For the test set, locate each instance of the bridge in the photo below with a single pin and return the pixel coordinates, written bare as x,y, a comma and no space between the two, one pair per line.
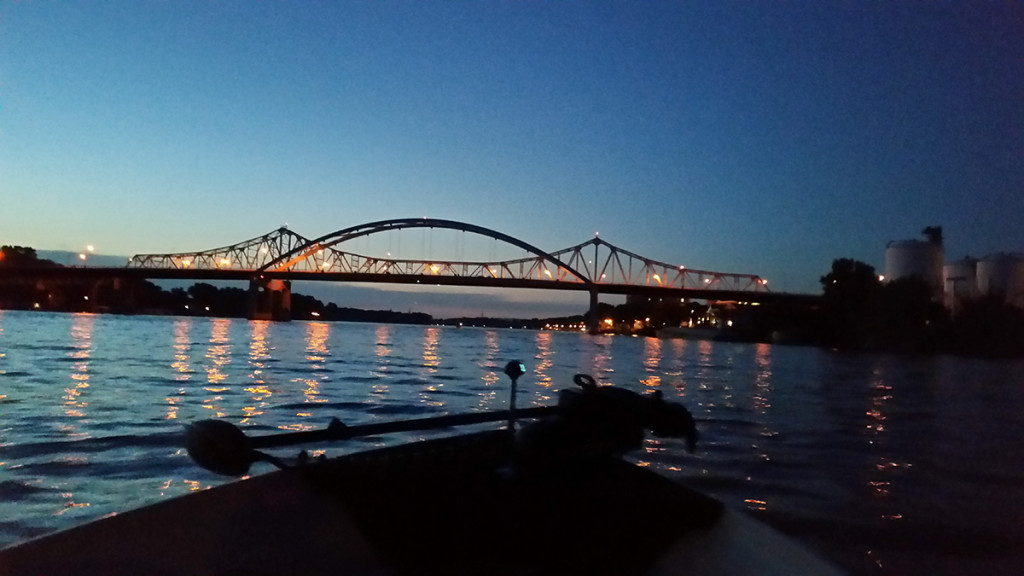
270,262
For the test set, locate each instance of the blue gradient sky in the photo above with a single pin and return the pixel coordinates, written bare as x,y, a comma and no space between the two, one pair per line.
755,137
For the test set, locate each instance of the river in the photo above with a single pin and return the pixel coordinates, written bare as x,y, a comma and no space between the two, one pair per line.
885,464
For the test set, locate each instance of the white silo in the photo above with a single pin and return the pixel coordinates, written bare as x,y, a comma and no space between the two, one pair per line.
960,280
1003,274
906,258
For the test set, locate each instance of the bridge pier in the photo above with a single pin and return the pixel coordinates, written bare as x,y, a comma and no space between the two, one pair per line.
270,299
593,322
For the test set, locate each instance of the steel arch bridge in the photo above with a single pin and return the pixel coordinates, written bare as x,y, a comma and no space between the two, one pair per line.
594,265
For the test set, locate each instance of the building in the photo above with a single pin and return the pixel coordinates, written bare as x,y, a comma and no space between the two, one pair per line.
1001,273
917,258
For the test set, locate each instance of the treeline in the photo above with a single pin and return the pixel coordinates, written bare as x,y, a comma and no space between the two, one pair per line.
856,311
859,311
143,296
202,299
15,256
309,307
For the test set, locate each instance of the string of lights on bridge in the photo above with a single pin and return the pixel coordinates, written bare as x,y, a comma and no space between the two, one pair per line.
594,261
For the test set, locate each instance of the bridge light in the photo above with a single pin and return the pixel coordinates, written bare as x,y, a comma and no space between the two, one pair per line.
225,262
707,280
434,268
548,272
657,279
186,263
325,265
81,257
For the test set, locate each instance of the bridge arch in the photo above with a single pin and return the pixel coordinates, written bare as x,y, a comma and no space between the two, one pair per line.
286,260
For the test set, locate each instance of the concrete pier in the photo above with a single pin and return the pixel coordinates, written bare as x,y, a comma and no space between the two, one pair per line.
270,299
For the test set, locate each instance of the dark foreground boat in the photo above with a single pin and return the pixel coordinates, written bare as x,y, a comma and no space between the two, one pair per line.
552,498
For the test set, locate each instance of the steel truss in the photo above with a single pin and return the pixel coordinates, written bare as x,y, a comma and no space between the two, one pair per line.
606,263
592,263
320,255
251,254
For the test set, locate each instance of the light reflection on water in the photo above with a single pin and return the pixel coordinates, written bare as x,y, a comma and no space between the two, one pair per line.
855,454
180,366
81,342
543,358
652,362
259,354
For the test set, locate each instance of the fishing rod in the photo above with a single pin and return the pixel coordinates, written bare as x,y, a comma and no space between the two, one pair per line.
222,447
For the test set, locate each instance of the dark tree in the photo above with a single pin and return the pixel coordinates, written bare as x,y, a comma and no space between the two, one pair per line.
14,256
850,302
988,326
909,319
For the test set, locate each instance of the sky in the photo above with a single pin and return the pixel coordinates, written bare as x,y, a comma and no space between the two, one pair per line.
754,137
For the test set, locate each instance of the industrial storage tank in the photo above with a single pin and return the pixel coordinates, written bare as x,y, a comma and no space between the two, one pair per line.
906,258
960,280
1003,274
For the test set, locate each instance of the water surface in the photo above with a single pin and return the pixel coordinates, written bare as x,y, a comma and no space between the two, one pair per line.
886,464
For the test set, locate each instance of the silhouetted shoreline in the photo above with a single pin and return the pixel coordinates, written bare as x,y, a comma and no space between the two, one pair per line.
856,312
